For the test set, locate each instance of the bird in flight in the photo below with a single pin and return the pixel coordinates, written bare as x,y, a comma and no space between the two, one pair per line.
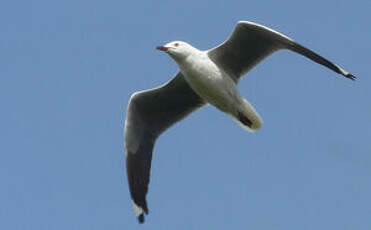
205,77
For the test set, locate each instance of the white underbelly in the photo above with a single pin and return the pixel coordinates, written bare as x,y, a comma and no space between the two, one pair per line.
216,89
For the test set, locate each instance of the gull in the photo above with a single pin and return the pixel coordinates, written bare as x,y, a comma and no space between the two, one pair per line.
205,77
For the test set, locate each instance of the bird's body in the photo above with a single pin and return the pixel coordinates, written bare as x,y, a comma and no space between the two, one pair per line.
205,77
216,87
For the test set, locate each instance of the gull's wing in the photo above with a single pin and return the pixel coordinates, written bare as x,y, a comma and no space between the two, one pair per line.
149,114
250,43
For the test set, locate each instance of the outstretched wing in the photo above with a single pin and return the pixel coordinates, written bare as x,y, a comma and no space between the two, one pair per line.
149,114
250,43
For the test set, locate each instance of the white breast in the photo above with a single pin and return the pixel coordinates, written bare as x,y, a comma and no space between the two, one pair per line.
210,82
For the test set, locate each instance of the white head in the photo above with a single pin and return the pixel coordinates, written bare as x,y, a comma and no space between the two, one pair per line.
178,50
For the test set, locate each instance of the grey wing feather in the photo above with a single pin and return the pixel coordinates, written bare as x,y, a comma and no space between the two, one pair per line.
250,43
293,46
149,114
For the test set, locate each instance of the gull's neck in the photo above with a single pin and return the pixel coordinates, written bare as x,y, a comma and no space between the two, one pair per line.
194,55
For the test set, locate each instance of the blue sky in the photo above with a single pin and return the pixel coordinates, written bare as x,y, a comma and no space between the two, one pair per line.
69,67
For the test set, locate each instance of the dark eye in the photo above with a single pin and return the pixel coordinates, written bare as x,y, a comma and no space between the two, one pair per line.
176,44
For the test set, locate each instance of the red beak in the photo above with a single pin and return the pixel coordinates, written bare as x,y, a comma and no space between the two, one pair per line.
162,48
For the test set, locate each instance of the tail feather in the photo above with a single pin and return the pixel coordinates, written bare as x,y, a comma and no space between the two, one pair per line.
248,118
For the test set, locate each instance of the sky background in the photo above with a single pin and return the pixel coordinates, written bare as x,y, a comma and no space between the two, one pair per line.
68,69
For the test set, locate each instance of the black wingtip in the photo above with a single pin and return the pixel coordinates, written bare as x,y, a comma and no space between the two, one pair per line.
351,76
141,218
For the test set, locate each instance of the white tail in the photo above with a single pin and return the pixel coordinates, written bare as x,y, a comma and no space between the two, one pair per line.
248,118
